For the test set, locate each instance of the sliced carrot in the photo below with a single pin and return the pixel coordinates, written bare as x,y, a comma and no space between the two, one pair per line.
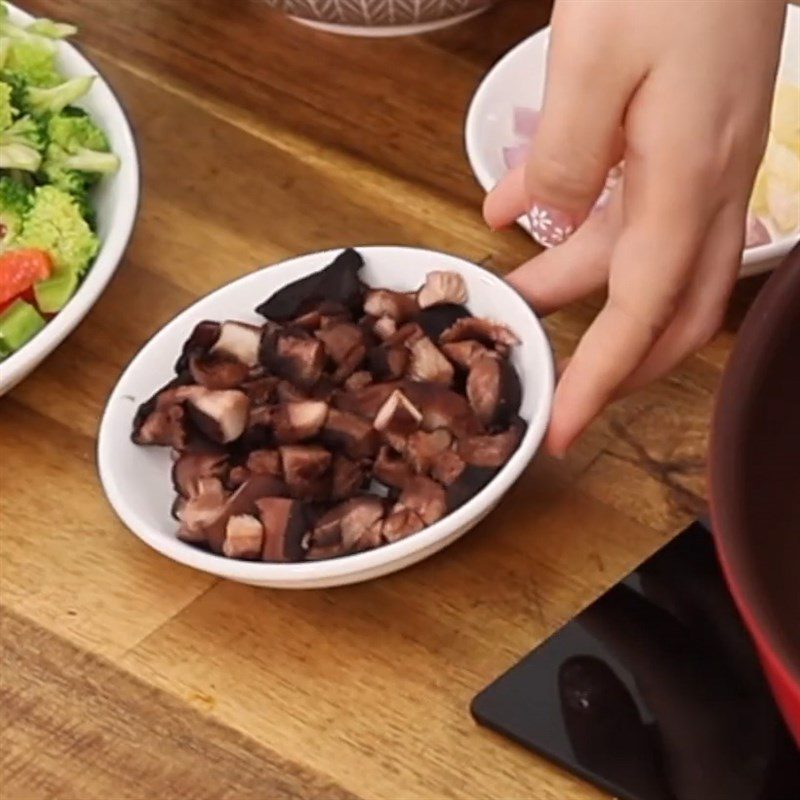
20,269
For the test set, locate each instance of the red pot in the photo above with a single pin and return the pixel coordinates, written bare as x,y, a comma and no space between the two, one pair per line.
755,480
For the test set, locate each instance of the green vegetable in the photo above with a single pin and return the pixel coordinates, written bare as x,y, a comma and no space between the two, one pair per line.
14,203
19,323
7,110
52,294
20,144
54,223
32,62
29,52
37,100
52,30
76,145
51,154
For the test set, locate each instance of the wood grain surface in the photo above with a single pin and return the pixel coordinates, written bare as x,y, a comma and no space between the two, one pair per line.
125,675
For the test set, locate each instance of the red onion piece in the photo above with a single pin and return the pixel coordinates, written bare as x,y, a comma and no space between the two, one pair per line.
516,155
526,121
756,232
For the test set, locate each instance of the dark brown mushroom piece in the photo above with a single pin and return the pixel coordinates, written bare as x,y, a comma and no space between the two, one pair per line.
492,450
298,421
244,537
189,468
442,288
384,328
358,380
239,341
388,362
339,340
242,501
310,320
287,392
347,477
200,341
447,466
201,510
352,525
321,316
428,363
406,335
220,415
435,320
397,419
351,434
469,482
492,334
237,476
285,524
258,432
442,408
261,390
424,447
166,427
424,497
304,470
398,306
494,390
365,402
401,522
264,462
338,282
352,361
324,389
391,468
217,371
464,353
294,354
160,419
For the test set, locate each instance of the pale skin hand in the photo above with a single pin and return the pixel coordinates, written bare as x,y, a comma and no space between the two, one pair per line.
682,92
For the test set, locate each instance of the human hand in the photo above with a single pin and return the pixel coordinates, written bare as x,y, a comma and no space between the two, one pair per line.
682,93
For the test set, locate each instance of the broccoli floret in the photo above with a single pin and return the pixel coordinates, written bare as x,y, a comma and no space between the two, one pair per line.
20,144
77,154
74,128
76,144
7,110
30,52
15,200
54,223
50,29
39,101
32,62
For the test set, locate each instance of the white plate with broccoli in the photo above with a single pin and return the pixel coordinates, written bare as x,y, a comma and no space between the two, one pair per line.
69,188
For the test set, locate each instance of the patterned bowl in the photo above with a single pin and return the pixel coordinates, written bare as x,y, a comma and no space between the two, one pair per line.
380,17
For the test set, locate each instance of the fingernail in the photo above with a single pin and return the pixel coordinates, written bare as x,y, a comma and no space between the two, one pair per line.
549,226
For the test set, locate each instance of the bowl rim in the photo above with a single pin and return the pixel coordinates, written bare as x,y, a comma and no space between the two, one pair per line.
368,562
19,364
754,259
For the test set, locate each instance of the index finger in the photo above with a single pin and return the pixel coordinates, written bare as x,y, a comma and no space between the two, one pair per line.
667,212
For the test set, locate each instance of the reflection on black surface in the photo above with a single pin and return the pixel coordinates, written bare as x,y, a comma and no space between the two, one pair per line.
658,692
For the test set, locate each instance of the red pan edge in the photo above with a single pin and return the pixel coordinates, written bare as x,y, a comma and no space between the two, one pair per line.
744,433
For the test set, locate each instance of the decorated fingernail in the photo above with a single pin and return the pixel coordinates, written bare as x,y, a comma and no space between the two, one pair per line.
549,226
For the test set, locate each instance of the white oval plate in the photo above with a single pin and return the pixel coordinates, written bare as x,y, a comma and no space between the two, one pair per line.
116,200
518,80
137,479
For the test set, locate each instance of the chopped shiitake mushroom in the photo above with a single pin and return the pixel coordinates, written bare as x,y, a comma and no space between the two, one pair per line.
352,417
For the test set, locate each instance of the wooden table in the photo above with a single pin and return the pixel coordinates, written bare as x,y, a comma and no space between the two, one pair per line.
127,676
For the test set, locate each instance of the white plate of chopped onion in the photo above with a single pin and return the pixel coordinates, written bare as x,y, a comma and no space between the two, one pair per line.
502,119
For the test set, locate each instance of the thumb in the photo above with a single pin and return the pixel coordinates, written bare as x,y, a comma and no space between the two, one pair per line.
579,138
